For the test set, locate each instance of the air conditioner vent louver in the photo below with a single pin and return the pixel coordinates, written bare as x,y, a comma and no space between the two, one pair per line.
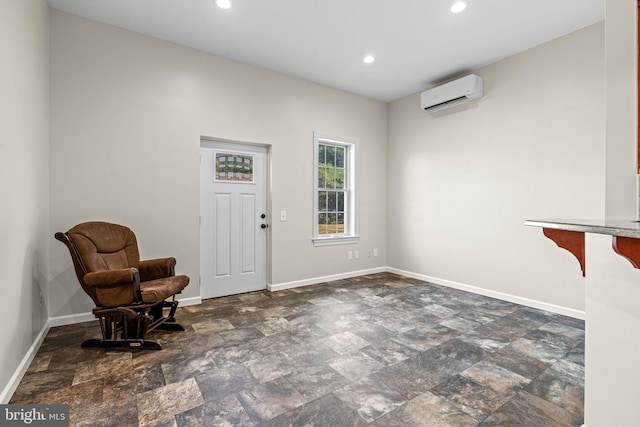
453,93
447,104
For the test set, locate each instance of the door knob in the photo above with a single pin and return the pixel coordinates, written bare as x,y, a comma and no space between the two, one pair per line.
263,225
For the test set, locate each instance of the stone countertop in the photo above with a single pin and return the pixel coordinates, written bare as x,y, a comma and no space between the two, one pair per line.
612,227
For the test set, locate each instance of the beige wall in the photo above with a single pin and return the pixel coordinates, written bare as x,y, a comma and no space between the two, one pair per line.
621,108
612,289
462,181
24,175
128,112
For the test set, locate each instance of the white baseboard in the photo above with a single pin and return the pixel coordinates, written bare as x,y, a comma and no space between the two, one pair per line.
185,302
72,319
322,279
451,284
15,379
494,294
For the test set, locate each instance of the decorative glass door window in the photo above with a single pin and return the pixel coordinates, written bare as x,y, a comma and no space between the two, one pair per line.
233,167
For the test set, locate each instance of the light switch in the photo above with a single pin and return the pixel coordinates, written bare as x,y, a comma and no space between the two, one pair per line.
283,215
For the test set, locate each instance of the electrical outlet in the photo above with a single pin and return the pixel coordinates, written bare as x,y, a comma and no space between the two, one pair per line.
375,252
350,255
370,253
356,254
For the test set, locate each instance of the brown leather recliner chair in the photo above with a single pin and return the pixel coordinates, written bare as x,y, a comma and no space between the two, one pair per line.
130,294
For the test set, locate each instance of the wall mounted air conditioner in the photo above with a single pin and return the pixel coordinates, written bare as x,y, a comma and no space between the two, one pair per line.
453,93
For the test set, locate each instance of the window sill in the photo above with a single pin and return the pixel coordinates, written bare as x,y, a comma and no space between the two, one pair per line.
331,241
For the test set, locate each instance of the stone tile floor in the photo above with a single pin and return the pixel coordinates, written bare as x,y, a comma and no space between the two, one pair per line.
377,350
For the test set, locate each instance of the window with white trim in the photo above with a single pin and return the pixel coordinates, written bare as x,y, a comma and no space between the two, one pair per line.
335,219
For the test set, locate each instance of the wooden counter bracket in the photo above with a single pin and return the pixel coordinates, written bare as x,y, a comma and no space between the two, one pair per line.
629,248
573,241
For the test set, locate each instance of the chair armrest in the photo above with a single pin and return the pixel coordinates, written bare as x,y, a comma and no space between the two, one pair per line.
158,268
115,287
112,277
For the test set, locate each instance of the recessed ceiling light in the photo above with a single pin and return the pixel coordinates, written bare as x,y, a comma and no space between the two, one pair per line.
458,6
223,4
369,59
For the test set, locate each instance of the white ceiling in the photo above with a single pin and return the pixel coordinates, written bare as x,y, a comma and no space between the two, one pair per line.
417,43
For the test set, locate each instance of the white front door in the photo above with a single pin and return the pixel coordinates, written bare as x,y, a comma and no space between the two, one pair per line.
233,218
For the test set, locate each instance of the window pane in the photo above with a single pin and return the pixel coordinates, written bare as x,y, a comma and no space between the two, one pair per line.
330,178
332,226
340,157
340,204
339,178
321,154
340,224
322,223
332,201
322,201
331,155
322,177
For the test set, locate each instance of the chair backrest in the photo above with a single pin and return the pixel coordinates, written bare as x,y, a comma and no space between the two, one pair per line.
105,246
98,246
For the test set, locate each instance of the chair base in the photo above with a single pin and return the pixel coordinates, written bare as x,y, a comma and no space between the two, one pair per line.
126,327
170,326
124,344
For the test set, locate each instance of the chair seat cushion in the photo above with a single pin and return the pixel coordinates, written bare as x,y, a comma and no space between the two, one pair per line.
159,289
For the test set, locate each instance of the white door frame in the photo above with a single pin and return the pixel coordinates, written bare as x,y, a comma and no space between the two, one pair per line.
206,141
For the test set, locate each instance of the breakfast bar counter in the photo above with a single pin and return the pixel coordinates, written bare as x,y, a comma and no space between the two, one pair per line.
569,234
614,227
